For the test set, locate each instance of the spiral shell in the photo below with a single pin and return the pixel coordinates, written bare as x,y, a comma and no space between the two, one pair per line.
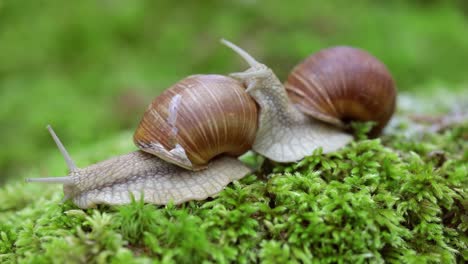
197,119
342,84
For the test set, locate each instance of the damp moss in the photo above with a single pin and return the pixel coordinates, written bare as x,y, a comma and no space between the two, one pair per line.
399,199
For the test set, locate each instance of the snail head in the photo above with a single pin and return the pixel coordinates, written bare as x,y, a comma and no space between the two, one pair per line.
257,72
67,181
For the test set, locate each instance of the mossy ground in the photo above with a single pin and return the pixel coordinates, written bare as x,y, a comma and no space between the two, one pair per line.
399,198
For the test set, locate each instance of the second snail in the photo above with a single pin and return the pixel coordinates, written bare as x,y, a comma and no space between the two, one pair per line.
190,136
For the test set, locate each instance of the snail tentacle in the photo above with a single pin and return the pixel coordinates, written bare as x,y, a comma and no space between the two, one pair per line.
261,73
62,180
246,56
251,86
66,180
70,163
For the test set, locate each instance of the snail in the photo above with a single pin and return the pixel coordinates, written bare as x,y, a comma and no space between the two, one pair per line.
212,109
342,84
190,135
284,133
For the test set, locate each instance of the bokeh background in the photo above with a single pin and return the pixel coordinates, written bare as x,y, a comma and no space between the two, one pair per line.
90,67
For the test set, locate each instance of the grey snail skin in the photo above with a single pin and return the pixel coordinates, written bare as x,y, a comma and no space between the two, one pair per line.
190,136
116,180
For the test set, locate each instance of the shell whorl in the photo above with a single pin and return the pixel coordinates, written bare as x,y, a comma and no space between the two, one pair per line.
197,119
342,84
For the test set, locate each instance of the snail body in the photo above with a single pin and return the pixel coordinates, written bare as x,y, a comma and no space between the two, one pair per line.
139,174
342,84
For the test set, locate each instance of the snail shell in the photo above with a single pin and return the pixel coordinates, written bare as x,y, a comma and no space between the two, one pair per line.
197,119
342,84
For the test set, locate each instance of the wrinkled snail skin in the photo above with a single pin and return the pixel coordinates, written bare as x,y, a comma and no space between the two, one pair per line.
284,133
197,119
116,180
342,84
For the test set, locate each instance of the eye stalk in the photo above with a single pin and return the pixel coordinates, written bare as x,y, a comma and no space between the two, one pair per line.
246,56
70,163
255,74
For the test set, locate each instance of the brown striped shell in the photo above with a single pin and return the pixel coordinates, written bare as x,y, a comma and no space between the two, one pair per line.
197,119
342,84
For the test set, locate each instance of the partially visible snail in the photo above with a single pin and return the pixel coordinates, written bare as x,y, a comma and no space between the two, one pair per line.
190,127
284,133
342,84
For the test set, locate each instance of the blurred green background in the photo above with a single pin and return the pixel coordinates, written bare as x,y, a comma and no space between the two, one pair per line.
90,67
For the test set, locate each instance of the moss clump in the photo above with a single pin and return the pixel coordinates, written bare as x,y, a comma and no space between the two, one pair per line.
376,200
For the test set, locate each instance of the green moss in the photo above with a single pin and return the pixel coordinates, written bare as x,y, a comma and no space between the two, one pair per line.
387,199
397,199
